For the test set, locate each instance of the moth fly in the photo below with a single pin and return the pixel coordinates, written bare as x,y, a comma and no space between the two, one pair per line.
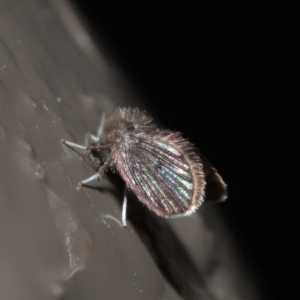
159,166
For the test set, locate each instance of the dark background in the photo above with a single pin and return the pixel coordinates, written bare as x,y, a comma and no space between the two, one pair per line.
226,75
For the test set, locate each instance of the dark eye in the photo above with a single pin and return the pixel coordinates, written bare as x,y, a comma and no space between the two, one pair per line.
95,152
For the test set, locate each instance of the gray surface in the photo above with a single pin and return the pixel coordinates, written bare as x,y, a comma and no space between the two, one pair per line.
57,242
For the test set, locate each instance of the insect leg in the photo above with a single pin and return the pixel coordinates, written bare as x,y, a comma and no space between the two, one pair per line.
94,177
99,174
101,127
124,208
73,145
99,130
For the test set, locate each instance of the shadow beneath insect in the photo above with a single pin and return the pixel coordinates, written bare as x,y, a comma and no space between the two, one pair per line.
165,247
168,252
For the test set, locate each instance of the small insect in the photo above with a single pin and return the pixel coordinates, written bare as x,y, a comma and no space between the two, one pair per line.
159,166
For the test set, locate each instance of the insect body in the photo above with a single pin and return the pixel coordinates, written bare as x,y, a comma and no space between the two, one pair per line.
160,167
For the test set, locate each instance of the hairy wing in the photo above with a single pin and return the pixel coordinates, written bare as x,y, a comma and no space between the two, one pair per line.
164,173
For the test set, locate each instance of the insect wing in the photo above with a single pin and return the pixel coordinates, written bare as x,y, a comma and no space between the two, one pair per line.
216,188
164,173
